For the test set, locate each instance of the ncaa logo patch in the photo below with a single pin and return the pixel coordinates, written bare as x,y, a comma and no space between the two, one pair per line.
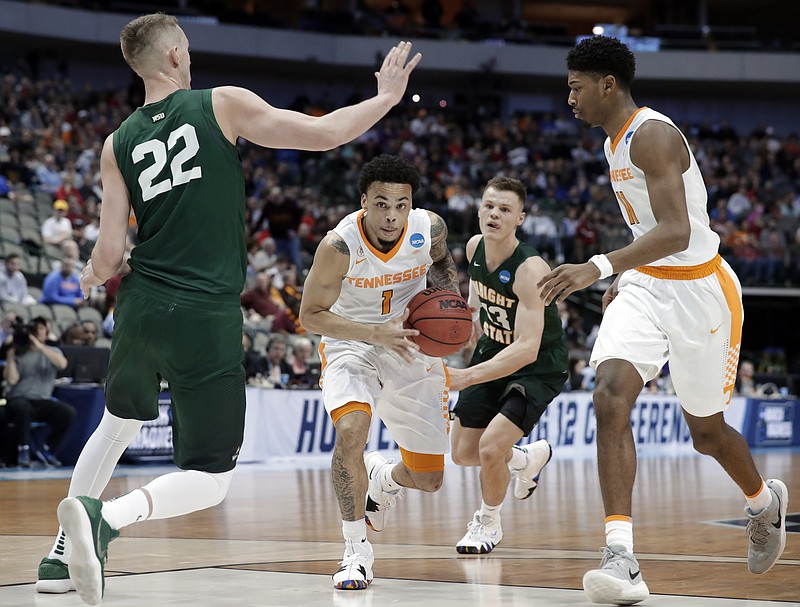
504,276
628,136
416,240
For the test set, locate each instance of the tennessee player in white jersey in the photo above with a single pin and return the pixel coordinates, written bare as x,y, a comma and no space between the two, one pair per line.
365,272
674,299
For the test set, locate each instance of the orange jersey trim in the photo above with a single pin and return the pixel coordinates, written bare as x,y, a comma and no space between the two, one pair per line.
621,133
422,462
340,412
379,254
683,272
735,338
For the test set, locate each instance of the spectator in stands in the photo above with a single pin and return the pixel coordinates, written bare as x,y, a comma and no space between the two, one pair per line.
265,257
255,365
284,213
74,335
48,175
13,285
302,351
57,228
90,330
278,370
31,368
63,286
264,307
745,380
71,249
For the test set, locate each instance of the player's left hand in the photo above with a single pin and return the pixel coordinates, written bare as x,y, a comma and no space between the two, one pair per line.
459,379
565,280
89,279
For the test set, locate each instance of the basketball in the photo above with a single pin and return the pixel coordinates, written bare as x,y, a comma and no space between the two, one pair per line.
443,320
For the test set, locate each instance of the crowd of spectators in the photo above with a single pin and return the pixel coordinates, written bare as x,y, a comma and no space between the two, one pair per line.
51,134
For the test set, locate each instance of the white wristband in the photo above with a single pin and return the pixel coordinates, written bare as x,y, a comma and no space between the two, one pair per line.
602,263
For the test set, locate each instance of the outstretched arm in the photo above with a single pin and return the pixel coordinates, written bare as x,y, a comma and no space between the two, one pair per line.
242,113
528,327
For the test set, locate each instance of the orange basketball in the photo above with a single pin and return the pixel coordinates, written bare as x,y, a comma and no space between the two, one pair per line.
443,320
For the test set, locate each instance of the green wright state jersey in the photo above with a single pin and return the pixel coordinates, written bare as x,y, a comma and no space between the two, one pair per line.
499,303
186,187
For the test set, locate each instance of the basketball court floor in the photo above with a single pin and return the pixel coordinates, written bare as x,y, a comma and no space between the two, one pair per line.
276,540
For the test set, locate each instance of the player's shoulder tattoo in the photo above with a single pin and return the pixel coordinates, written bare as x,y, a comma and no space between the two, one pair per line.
338,243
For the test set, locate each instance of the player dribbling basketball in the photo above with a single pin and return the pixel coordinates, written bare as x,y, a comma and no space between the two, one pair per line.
519,364
365,272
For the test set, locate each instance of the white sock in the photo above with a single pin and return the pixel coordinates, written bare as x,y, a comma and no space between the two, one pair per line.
760,500
387,482
519,459
355,531
95,466
126,509
62,549
619,530
493,512
172,495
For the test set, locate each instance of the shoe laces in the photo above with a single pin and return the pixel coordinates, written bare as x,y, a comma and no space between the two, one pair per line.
614,560
757,529
352,556
388,499
477,528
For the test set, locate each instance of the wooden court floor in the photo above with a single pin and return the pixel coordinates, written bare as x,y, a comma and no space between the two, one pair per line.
277,539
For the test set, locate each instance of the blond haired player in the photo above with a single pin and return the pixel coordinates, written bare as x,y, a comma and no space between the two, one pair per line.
674,299
365,272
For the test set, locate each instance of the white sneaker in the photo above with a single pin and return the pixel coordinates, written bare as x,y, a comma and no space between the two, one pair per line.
355,572
526,479
618,581
378,500
767,529
483,534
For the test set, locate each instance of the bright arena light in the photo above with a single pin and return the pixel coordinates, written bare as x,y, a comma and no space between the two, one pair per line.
598,30
415,98
442,103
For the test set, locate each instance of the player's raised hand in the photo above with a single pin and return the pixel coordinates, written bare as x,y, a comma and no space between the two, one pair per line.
393,75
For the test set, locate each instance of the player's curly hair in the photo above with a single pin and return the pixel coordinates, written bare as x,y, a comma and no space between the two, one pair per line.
602,55
388,169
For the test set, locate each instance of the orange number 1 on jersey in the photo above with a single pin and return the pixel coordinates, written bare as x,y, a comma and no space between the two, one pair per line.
632,219
386,304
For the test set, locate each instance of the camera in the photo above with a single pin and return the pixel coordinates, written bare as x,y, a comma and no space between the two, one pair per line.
22,334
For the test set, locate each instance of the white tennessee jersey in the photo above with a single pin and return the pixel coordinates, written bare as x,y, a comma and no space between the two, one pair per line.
630,188
379,286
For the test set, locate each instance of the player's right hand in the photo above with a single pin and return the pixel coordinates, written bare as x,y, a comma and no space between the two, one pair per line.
393,75
394,336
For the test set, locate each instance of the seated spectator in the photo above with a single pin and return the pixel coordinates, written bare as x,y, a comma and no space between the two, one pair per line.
71,249
278,371
255,365
90,331
263,306
745,381
31,368
75,335
300,358
63,286
57,228
13,285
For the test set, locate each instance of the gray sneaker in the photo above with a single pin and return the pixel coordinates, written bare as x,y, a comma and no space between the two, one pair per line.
767,529
618,581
